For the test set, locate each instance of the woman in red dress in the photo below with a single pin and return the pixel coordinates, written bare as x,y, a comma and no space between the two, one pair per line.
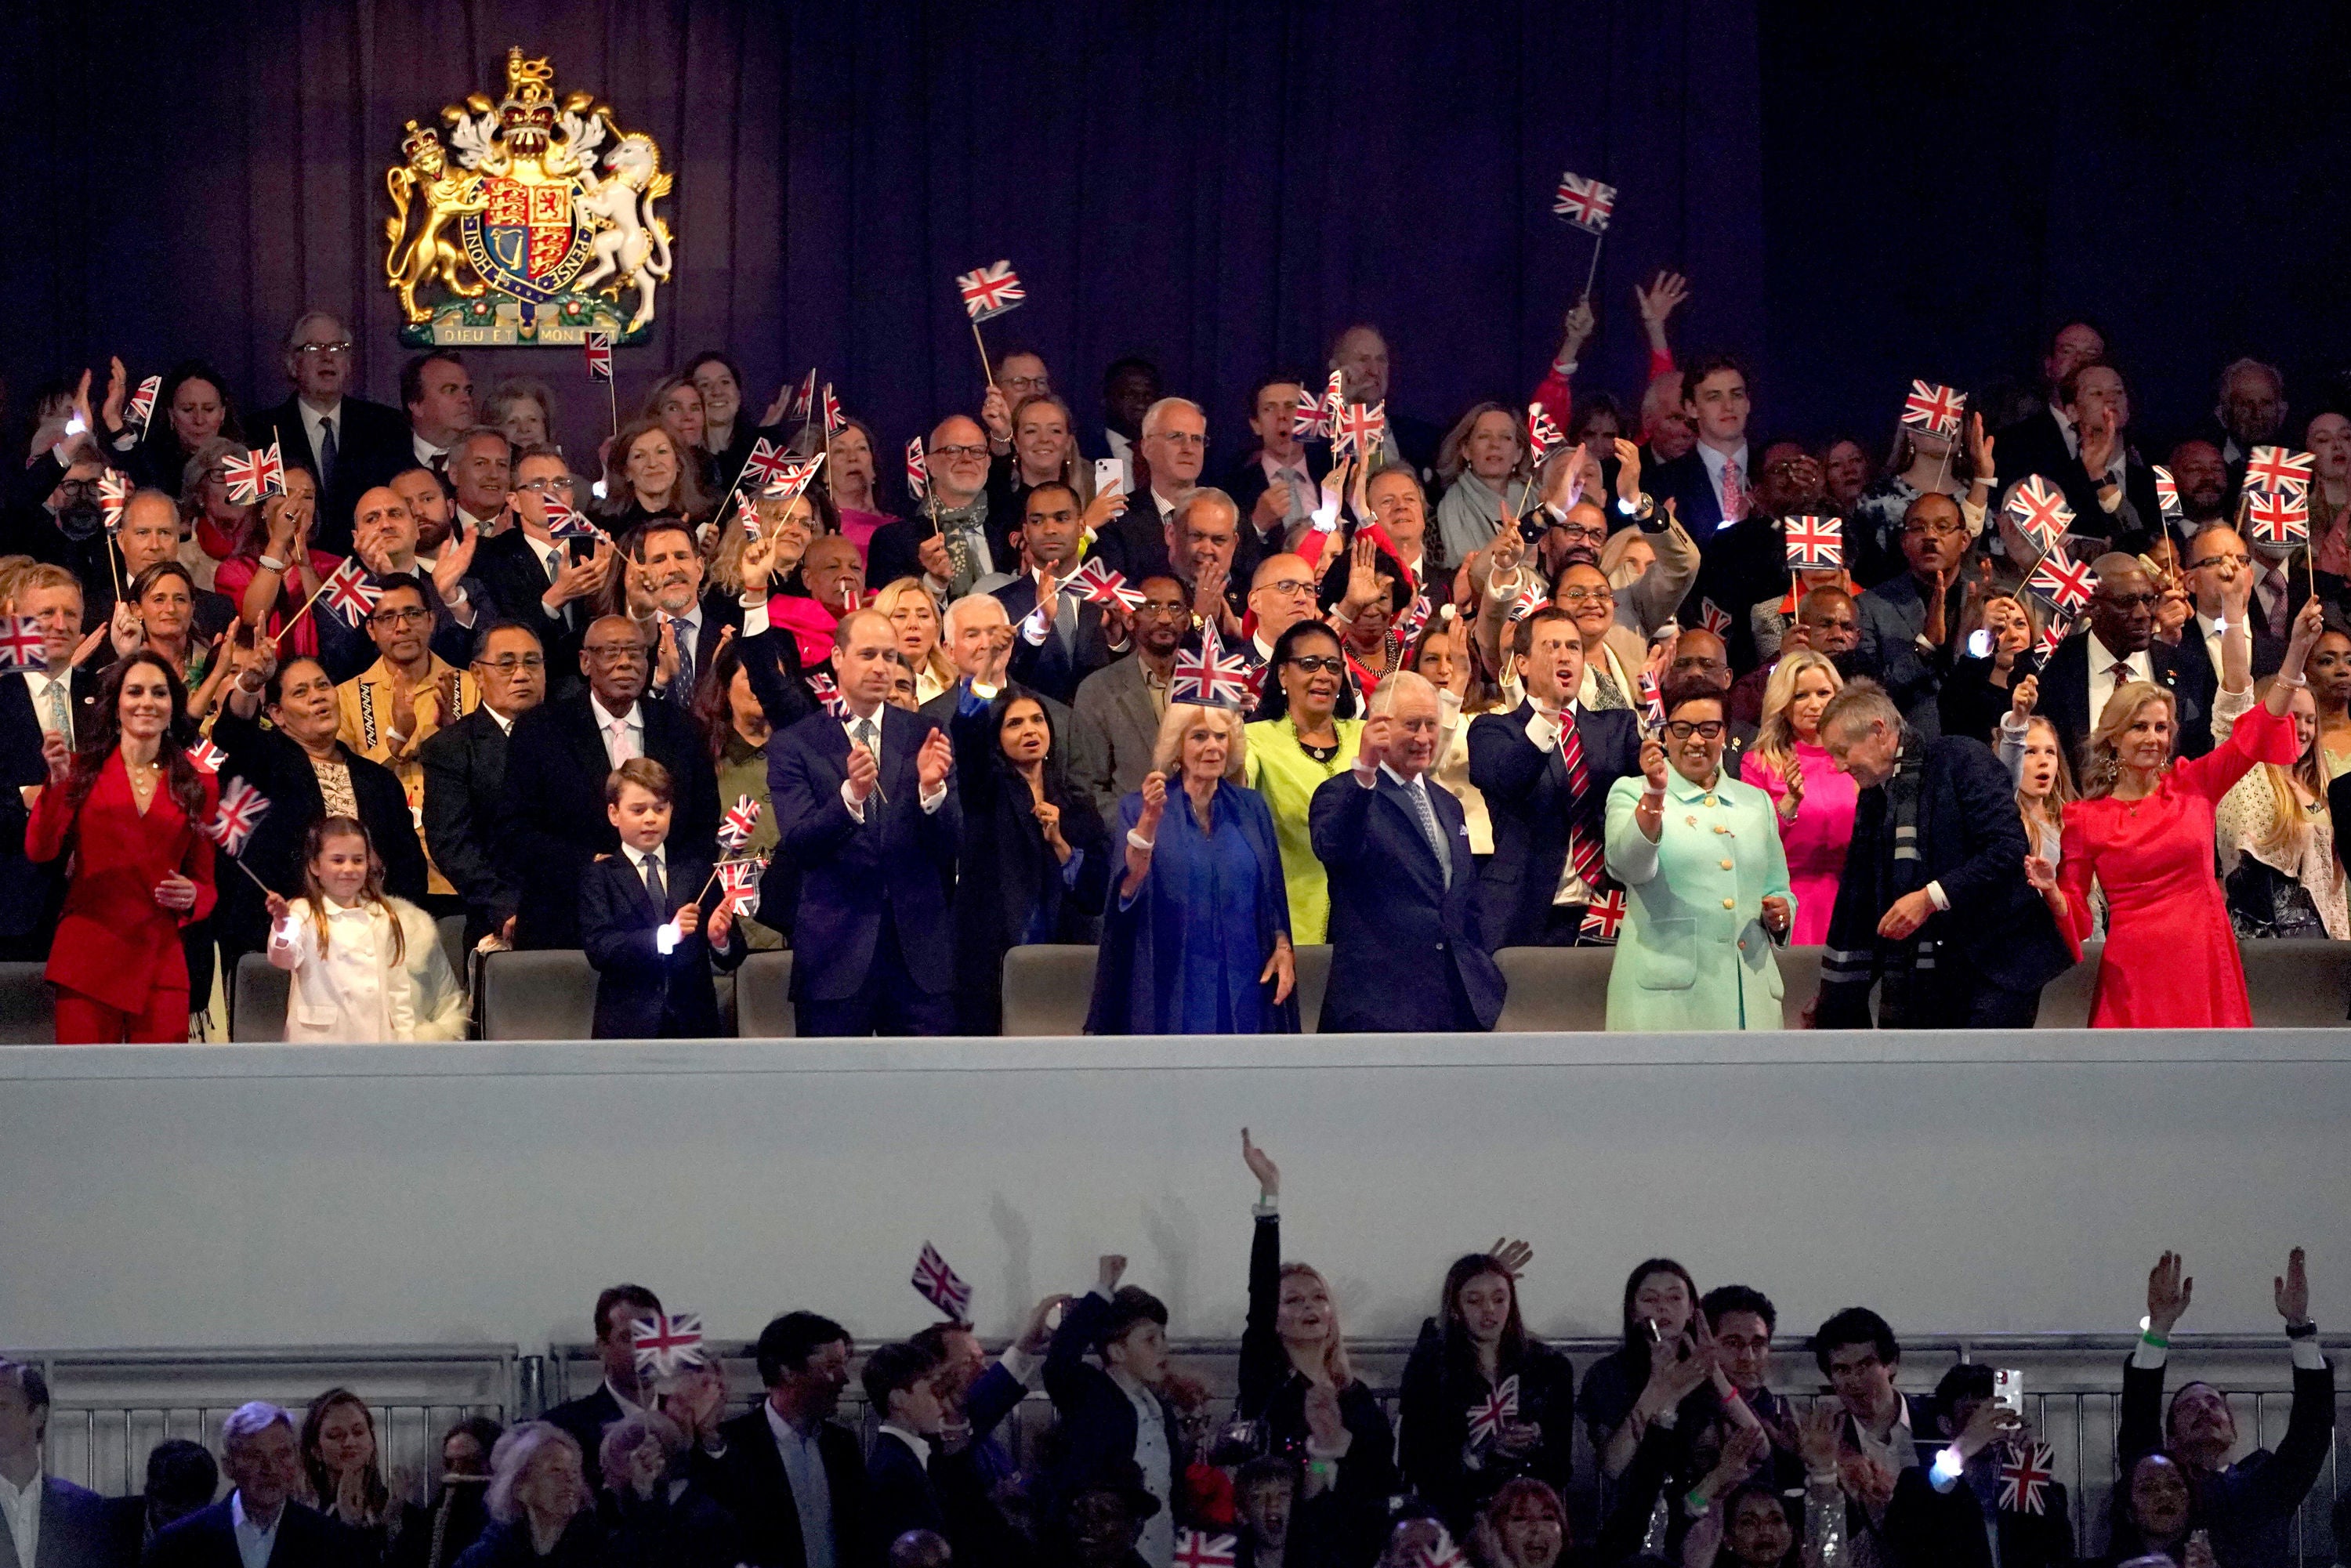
129,806
2144,829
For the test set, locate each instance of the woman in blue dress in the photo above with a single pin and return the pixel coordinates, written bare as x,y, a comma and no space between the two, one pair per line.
1195,938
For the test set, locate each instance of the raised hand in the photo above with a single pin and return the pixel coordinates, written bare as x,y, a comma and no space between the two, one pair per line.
933,761
1628,472
1576,329
665,654
118,382
1652,764
403,704
2022,695
1262,1166
456,559
863,773
1979,449
1154,804
1819,1437
1106,504
1990,1424
931,553
2168,1292
1513,1256
2100,437
2039,874
1372,746
278,908
1665,294
1108,1272
996,414
2293,1292
776,410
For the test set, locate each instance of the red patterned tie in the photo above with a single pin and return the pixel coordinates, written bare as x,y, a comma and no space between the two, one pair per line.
1589,863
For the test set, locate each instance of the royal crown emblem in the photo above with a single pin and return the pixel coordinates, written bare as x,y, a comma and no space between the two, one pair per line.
530,224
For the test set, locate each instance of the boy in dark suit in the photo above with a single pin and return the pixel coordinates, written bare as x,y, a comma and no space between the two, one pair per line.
912,1482
652,966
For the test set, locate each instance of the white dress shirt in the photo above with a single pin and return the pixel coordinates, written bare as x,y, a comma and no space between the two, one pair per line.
1543,730
1158,1546
1714,461
2102,680
930,800
52,701
803,1457
427,455
2211,632
254,1542
20,1507
634,722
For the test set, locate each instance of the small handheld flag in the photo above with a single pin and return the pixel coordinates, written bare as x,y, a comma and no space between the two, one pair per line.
1199,1549
2167,494
22,645
667,1343
827,692
1408,627
2023,1480
990,291
735,827
766,464
1210,677
565,522
1488,1416
1932,408
918,471
1359,428
2062,581
256,474
207,757
940,1285
835,422
794,480
240,810
1099,584
1653,702
1714,617
349,592
2040,511
2279,517
803,401
740,880
2053,634
1308,423
1604,917
1585,202
1530,600
1542,431
598,350
2277,468
113,498
1814,544
142,402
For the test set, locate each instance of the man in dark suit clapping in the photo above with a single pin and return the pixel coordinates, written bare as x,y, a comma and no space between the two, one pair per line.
466,771
864,809
1407,950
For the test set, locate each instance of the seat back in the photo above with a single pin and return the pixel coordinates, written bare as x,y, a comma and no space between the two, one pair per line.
1313,966
1552,990
546,994
258,1012
2065,1000
1800,982
452,928
29,1014
1047,989
2297,983
763,996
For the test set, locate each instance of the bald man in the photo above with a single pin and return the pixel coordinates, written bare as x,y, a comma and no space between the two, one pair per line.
865,813
551,820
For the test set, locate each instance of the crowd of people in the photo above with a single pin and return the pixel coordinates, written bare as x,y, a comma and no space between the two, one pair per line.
1706,1450
1567,672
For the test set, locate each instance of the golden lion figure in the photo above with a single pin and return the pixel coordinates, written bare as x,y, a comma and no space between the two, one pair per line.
441,197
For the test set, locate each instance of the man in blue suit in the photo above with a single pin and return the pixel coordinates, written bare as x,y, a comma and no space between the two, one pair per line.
1079,637
864,811
1709,484
1545,769
1406,951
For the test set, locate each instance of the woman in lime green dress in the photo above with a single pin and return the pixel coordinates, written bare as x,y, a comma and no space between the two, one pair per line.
1303,743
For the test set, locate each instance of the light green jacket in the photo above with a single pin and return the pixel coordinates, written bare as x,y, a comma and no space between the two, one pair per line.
1693,954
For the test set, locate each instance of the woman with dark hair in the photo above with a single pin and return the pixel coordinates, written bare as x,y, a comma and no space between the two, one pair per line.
1035,857
1307,738
649,473
1483,1401
852,479
733,725
1044,450
1660,1311
728,430
436,1534
342,1469
130,807
1984,680
191,407
1364,589
273,572
2153,1513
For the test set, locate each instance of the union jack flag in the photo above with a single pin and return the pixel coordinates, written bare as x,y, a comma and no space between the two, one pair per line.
1443,1554
1488,1416
803,401
741,880
1307,424
113,496
2167,494
2066,583
1814,544
256,474
918,472
2023,1480
1199,1549
207,757
142,402
1585,202
1542,431
747,512
1211,677
821,685
1359,428
566,522
1530,600
735,827
2040,511
796,478
2053,634
1603,917
1653,702
1933,409
667,1343
940,1285
240,810
990,291
2279,517
768,461
22,645
1098,584
598,349
1714,617
834,420
1408,627
347,593
2277,468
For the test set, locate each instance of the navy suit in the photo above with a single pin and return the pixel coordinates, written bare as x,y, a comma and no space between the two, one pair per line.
77,1529
639,993
946,1497
1053,667
31,893
2186,671
1097,1430
1685,482
208,1540
371,445
1406,951
750,1482
1527,797
873,944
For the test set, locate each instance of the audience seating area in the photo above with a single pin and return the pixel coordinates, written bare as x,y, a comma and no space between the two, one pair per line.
552,995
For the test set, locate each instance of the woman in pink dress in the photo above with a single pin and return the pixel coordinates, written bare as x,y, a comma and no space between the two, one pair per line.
852,474
2144,829
1812,800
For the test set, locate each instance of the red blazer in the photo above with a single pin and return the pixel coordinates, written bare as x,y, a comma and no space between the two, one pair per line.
115,944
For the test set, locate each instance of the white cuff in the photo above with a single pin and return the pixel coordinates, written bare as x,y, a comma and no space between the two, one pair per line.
1020,1366
2149,1357
930,800
666,937
1938,897
856,807
2307,1357
1544,731
1033,627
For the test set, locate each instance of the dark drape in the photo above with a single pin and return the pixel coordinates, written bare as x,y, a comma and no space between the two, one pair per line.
1220,185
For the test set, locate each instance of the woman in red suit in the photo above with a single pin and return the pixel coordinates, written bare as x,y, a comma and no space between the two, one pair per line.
2144,829
129,806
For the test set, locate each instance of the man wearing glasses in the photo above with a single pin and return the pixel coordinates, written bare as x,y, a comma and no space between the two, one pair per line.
347,443
409,693
539,579
1118,708
2120,647
465,768
2213,560
945,541
1174,449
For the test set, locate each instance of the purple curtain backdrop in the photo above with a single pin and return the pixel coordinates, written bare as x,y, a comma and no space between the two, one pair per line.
1221,185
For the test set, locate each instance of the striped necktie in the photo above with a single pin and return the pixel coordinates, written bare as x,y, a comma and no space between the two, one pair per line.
1590,864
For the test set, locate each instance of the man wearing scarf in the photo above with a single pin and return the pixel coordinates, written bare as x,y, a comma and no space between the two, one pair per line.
945,541
1934,908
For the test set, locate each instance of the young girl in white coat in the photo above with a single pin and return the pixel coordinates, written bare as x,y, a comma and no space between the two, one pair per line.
366,966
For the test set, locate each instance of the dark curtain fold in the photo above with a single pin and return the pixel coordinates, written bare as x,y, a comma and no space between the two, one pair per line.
1221,185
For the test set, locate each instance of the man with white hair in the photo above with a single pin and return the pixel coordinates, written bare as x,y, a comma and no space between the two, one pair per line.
1407,949
260,1523
347,444
1174,448
43,1520
2249,411
976,632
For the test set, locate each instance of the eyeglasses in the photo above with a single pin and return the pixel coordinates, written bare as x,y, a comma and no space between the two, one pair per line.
336,348
1320,663
2239,560
1573,532
407,615
541,486
1033,383
617,653
1583,595
958,451
1704,728
511,662
1289,587
1923,530
1166,611
1789,465
1180,438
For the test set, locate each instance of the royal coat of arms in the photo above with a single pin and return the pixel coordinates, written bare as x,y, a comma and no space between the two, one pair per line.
529,226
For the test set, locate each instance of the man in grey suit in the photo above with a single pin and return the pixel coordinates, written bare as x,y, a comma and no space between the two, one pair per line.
1118,707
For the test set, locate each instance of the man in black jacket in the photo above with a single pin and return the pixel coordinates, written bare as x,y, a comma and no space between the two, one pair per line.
551,820
1080,636
2013,1482
259,1455
466,771
619,1310
65,1526
1934,905
1101,1407
347,443
2120,645
548,584
791,1474
2249,1504
1924,1520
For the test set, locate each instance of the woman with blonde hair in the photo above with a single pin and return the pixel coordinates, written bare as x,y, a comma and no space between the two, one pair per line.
1482,459
2143,831
676,402
916,614
541,1513
1813,801
524,408
1296,1384
2277,840
1196,934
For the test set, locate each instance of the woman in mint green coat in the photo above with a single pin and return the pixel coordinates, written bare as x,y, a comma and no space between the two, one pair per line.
1705,880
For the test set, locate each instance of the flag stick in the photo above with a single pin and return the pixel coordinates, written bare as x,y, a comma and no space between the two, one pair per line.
612,403
240,865
297,615
1593,275
984,368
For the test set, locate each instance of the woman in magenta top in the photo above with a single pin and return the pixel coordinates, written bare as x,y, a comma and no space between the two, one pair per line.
2144,829
851,474
1812,800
